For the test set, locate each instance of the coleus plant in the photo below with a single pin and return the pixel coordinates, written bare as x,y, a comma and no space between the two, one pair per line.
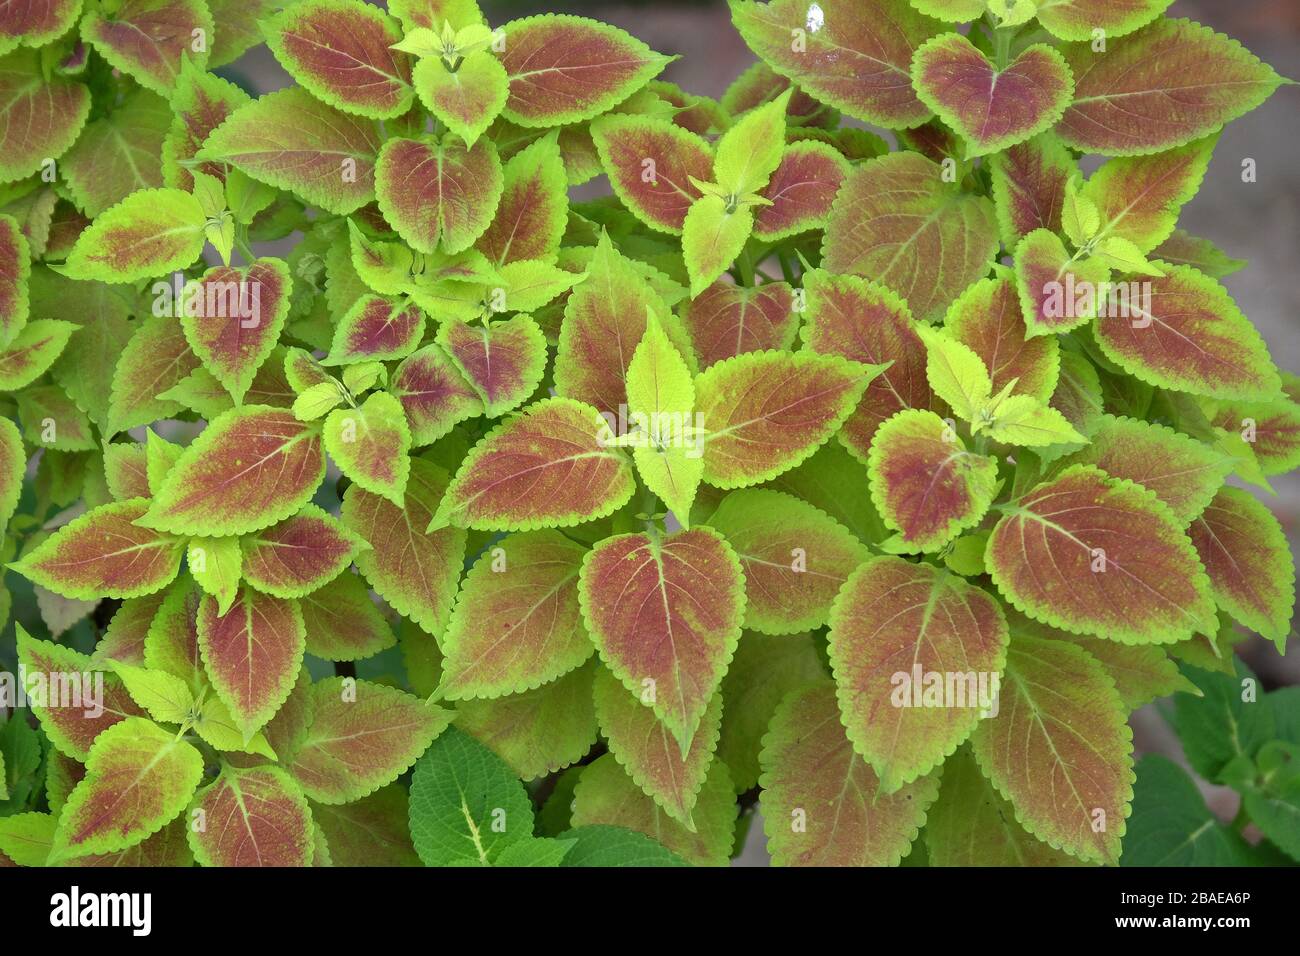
874,488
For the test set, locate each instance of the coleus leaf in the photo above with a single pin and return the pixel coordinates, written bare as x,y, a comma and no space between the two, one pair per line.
172,641
794,557
433,393
661,395
156,358
866,322
517,623
32,351
165,697
1183,472
547,467
341,52
892,612
1271,430
1058,291
606,796
70,724
1165,85
924,481
25,838
1190,337
766,668
254,817
43,116
1048,552
372,831
13,466
1141,672
431,14
539,731
502,360
342,621
1028,181
713,235
148,39
467,99
138,778
413,570
991,108
896,221
459,789
200,102
252,654
665,615
215,565
645,748
987,318
148,233
856,64
1138,197
529,220
971,824
566,69
604,321
238,320
651,164
371,445
1059,749
250,468
1184,249
1248,560
1171,824
298,555
801,190
749,151
1080,19
765,412
727,319
104,553
52,420
822,803
289,140
376,327
438,193
118,154
36,24
15,268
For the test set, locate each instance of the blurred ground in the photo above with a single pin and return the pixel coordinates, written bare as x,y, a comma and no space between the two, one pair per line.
1259,221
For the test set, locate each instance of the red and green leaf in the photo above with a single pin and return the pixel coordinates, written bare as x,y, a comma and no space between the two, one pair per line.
250,468
646,749
371,443
897,222
1059,749
104,553
438,194
466,100
372,831
291,141
32,351
765,412
665,614
200,102
42,116
147,234
795,558
925,483
1271,429
37,23
502,360
156,358
858,64
801,190
15,267
148,39
991,108
343,622
1057,291
1029,186
238,320
1080,19
433,393
139,777
658,192
1170,83
987,318
252,654
1092,554
566,69
361,739
546,467
341,52
1193,339
727,319
530,218
252,817
298,555
517,623
412,569
896,618
822,803
1248,560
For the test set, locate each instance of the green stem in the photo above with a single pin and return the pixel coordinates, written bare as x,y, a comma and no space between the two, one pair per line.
1242,819
745,263
244,249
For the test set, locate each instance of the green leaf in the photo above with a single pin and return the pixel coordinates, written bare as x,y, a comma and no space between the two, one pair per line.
713,235
467,100
164,696
750,150
1172,826
537,851
26,838
118,154
599,845
1080,218
1229,721
956,373
466,803
1025,420
149,233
